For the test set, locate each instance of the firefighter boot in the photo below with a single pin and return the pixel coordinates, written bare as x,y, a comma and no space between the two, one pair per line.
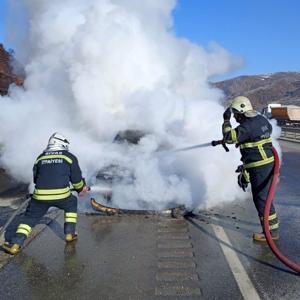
11,248
260,237
70,237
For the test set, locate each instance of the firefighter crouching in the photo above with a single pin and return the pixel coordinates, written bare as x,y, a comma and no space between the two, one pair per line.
253,137
53,171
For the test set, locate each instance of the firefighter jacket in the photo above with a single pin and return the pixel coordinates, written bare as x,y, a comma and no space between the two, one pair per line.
253,137
52,173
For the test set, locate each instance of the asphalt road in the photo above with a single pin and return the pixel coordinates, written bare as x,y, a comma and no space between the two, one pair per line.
207,256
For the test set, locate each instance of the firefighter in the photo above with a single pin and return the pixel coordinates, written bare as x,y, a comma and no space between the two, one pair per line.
53,171
253,137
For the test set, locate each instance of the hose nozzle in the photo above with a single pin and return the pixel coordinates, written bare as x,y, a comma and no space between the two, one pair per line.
220,142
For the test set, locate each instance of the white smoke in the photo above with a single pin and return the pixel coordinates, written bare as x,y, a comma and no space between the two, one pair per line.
96,67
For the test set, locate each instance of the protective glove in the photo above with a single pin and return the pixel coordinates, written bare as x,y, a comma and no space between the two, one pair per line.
243,184
227,114
243,177
84,191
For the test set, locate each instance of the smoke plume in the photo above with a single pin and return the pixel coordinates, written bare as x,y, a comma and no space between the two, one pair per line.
97,67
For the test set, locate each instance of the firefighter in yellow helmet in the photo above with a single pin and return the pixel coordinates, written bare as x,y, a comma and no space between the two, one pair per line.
253,137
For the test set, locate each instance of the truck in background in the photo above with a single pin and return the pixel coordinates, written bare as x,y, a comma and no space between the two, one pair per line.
267,111
288,115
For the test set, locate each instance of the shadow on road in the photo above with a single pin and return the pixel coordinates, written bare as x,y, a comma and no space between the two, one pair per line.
191,220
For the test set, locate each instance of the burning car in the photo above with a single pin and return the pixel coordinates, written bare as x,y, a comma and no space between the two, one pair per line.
113,175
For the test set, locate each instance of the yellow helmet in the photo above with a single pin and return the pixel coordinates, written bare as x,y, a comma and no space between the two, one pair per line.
242,105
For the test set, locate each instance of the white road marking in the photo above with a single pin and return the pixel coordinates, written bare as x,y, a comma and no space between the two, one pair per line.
245,285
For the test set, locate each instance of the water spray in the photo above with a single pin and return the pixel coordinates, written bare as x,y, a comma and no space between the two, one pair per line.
204,145
99,189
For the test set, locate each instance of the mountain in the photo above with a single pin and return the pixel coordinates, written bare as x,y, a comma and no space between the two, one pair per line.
281,87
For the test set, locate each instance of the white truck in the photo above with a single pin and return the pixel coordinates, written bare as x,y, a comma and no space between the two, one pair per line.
267,111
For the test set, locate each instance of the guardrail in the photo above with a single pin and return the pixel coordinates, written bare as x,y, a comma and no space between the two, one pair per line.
290,133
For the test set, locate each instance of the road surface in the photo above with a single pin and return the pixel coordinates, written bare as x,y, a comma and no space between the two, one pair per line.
206,256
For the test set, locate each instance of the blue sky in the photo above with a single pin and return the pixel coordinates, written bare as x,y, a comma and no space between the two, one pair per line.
265,33
2,19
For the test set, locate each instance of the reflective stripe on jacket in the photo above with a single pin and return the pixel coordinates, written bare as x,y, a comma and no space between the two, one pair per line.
253,137
53,172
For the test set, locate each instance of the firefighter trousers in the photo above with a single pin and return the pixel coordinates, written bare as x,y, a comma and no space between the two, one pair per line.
260,179
36,209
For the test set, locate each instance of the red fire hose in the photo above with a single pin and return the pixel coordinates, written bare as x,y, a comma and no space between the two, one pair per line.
295,267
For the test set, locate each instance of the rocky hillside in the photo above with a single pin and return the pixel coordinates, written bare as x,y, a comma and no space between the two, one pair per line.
282,87
7,74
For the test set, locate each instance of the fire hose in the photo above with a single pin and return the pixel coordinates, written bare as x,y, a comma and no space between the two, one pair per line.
292,265
25,201
295,267
18,210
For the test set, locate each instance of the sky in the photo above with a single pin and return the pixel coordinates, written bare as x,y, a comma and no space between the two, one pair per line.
264,33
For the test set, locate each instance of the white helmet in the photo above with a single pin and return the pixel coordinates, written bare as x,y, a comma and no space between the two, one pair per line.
243,105
57,140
